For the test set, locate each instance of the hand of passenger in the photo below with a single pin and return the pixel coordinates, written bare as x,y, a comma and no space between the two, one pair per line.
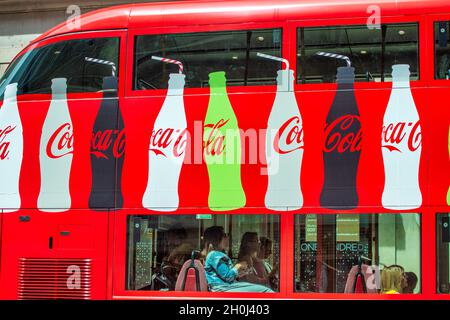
241,266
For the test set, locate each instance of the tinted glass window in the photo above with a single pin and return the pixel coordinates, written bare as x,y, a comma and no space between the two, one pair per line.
331,249
202,53
83,62
443,253
159,245
442,50
372,52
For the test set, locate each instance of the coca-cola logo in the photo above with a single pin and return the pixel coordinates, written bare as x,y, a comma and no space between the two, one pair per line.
344,135
4,145
394,133
214,144
289,137
60,143
162,140
103,140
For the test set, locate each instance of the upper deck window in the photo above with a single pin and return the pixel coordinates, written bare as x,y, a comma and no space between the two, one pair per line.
372,52
202,53
84,62
442,50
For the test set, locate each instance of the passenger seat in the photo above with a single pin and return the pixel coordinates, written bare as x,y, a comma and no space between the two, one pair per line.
192,275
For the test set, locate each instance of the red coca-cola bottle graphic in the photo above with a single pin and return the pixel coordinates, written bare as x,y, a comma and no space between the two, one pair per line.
342,146
107,151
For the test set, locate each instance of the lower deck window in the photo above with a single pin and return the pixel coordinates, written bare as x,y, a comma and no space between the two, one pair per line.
357,253
237,253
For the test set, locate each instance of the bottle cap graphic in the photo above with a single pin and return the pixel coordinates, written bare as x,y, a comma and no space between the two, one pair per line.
11,91
345,75
284,78
401,72
177,81
110,83
217,79
59,87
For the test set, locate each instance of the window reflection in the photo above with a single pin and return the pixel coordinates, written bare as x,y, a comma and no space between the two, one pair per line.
232,253
442,50
372,52
443,253
351,253
234,52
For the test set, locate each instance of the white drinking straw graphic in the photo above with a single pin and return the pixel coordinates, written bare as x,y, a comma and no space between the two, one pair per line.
335,56
266,56
105,62
180,65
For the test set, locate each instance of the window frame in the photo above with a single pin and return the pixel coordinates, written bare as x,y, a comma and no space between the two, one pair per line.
422,49
120,34
431,61
374,296
133,33
119,260
438,219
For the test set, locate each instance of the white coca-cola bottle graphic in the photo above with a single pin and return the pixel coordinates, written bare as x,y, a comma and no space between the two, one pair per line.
11,150
284,148
56,152
167,150
401,145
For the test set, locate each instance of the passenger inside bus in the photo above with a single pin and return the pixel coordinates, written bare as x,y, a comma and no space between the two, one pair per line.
220,273
248,253
393,280
261,261
159,245
410,282
179,250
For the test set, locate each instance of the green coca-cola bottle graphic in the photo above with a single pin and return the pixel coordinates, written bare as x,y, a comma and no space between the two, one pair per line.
222,149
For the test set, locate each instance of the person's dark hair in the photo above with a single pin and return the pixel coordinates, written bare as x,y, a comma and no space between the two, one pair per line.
213,236
245,249
264,242
411,281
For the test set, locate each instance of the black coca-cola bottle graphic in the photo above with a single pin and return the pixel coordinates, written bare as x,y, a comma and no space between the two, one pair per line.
107,151
342,146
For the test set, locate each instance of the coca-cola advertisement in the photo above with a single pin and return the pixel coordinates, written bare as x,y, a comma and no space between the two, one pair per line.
401,145
342,146
167,146
107,151
56,152
284,145
11,151
222,149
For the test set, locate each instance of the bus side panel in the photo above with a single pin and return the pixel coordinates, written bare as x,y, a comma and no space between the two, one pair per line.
74,241
252,112
438,114
314,107
73,233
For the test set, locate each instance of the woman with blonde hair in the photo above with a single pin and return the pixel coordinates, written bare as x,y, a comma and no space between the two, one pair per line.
392,279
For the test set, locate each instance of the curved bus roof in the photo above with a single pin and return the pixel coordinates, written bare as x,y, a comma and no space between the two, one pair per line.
207,12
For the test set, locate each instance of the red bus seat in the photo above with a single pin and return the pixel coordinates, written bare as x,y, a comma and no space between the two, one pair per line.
192,276
357,280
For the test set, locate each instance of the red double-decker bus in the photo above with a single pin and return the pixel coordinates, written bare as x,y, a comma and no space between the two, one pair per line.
230,149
